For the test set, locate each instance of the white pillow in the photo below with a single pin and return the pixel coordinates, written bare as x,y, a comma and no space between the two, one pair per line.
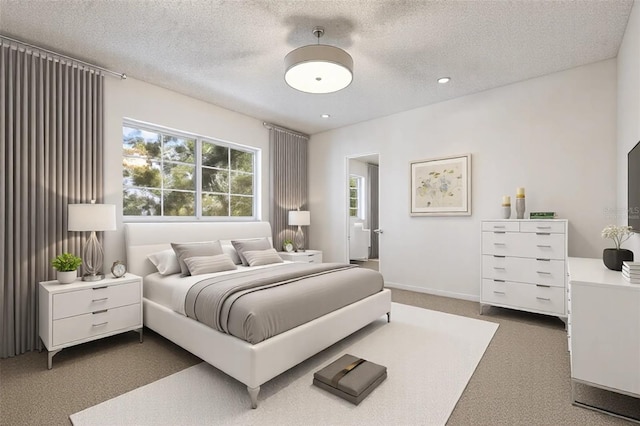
227,248
165,262
262,257
207,264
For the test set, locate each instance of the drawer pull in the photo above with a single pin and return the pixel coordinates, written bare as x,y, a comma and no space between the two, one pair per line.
99,312
501,257
544,246
542,233
543,227
498,281
99,288
100,300
499,232
498,268
498,292
539,259
546,299
542,285
498,226
102,323
544,273
499,244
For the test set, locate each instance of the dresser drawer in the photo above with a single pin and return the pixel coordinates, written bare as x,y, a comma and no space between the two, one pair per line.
543,246
535,271
528,297
67,330
543,226
94,299
501,243
501,226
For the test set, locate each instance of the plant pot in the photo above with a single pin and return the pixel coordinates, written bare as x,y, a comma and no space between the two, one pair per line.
613,258
67,277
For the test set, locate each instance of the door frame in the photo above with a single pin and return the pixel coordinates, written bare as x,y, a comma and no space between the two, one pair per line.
346,205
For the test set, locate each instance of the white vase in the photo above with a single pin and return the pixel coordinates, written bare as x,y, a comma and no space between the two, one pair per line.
67,277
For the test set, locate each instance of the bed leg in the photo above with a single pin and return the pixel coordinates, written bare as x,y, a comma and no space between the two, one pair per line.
389,316
253,393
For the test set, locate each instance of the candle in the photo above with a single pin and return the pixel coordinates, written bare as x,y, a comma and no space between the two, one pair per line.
506,200
519,192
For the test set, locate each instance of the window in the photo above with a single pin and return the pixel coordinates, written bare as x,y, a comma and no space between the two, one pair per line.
172,174
356,191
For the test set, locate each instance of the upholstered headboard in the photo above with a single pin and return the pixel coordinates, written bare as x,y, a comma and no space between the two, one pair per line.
142,239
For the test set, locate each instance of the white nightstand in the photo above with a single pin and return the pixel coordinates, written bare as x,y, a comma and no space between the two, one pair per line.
307,256
82,311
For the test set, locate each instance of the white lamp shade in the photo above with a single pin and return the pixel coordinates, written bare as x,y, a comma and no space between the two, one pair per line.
92,217
300,218
318,69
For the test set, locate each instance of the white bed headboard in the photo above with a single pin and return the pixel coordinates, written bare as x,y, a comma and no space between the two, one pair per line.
142,239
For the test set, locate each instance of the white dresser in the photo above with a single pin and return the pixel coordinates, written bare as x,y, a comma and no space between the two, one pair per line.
307,256
524,265
604,329
82,311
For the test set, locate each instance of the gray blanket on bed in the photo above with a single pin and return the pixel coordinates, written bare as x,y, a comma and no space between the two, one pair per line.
257,304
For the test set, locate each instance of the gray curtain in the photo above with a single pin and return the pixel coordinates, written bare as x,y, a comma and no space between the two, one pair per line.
288,187
372,210
51,154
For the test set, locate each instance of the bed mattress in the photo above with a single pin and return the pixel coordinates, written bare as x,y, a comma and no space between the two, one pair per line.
254,304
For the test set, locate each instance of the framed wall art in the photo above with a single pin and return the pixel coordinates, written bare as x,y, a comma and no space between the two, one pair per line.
441,186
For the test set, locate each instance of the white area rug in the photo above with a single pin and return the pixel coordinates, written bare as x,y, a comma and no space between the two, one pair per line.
430,357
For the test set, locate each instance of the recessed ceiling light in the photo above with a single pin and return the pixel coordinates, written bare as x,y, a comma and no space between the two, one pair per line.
443,80
325,116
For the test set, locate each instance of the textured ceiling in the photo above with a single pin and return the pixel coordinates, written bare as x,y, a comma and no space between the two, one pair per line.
230,53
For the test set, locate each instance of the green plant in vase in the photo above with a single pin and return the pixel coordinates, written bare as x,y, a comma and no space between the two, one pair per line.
67,266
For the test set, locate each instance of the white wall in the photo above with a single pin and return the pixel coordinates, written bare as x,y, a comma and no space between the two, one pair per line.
628,115
554,135
138,100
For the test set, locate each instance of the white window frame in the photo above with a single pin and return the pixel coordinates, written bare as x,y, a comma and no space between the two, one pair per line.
360,199
257,184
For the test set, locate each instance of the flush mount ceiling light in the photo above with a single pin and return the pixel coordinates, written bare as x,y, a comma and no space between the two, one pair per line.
318,68
443,80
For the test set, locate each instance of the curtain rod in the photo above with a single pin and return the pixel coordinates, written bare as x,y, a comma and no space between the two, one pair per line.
272,126
57,55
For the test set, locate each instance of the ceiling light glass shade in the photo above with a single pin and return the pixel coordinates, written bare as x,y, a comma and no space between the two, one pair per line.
318,69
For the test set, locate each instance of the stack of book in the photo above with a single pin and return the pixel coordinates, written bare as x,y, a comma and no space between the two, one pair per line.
542,215
631,272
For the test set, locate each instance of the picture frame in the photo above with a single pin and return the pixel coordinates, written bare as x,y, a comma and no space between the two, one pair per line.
441,186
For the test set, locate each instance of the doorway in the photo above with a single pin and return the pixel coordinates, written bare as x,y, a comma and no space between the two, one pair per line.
362,210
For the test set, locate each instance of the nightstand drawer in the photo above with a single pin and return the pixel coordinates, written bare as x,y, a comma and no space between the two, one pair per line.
81,327
520,269
309,256
96,298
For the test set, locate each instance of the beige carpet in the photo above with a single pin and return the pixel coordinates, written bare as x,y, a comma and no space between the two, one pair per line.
430,357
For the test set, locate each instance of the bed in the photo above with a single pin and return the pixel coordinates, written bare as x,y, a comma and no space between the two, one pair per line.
251,364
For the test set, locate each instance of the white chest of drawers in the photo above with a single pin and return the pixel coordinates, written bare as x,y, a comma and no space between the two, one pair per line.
79,312
524,265
307,256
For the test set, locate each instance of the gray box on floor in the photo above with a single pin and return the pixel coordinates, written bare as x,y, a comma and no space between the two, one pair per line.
351,378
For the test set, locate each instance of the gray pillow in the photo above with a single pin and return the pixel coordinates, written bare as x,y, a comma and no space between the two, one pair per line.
262,257
207,264
247,245
186,250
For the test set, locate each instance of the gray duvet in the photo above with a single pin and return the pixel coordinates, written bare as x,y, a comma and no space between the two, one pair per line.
258,304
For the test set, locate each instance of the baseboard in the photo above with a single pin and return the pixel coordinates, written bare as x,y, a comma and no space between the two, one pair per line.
443,293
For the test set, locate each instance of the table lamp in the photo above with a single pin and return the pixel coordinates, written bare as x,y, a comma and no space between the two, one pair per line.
92,217
299,218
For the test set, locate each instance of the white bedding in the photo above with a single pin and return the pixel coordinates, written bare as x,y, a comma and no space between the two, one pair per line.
171,290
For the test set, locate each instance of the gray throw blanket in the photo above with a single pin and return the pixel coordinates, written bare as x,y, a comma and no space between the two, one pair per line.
265,313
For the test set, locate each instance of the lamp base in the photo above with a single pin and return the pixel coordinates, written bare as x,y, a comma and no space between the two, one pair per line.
93,277
299,240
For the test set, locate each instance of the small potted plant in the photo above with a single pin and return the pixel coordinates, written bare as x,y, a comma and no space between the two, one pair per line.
67,266
613,257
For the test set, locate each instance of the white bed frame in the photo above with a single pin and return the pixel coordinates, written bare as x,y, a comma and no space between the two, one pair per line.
250,364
